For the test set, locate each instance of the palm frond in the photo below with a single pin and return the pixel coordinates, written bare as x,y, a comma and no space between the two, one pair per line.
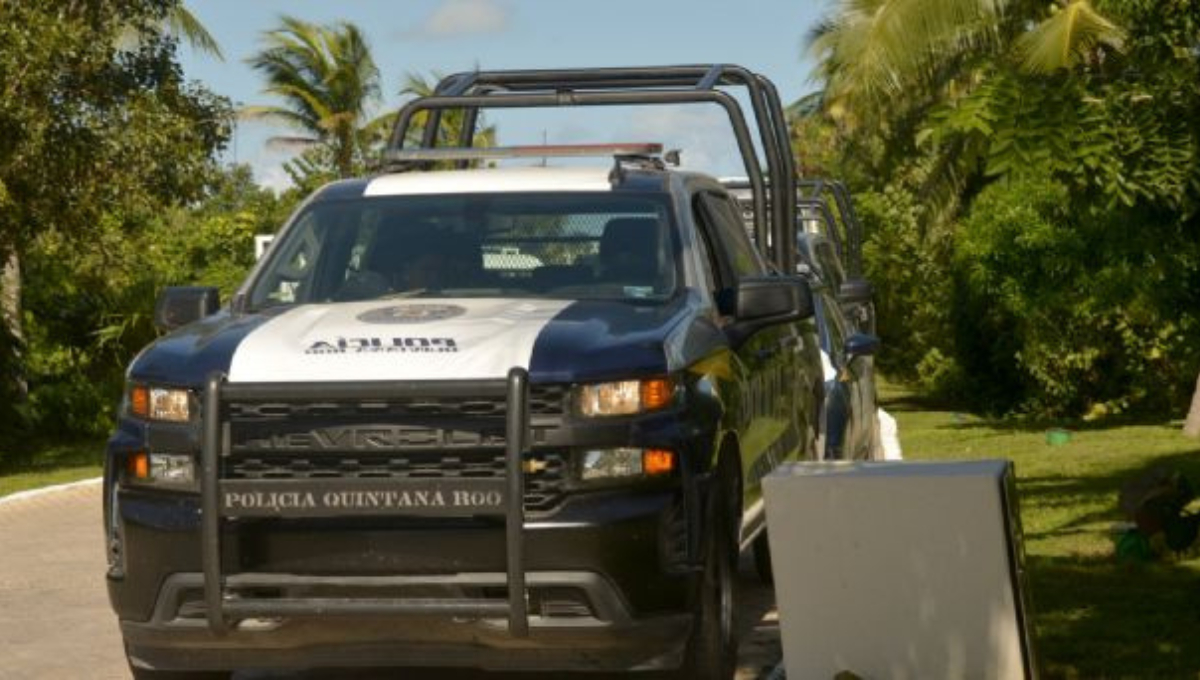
1067,37
181,22
873,52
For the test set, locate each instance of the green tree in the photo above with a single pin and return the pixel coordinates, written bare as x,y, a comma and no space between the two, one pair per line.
96,134
964,110
328,80
875,54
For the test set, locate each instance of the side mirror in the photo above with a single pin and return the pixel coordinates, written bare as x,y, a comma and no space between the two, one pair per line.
178,306
855,291
861,345
773,299
762,301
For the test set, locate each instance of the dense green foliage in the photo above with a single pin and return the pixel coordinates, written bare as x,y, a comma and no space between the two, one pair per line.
89,310
1033,220
100,133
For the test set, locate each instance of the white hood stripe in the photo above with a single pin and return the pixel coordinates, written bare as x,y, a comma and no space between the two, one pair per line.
450,339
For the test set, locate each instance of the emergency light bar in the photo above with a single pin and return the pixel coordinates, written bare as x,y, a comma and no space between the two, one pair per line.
543,151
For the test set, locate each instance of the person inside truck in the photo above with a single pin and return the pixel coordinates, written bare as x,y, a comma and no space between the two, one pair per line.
442,260
629,252
411,260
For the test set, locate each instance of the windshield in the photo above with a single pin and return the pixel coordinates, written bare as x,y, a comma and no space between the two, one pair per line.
577,245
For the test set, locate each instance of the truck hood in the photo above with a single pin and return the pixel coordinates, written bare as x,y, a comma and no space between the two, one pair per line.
444,339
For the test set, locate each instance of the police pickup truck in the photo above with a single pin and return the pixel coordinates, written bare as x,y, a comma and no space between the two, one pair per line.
507,418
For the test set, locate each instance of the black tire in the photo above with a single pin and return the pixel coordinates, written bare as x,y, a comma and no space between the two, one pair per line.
762,559
712,649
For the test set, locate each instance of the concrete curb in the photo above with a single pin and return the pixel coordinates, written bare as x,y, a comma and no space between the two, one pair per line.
34,493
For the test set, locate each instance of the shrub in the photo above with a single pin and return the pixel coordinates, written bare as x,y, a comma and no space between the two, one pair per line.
1072,312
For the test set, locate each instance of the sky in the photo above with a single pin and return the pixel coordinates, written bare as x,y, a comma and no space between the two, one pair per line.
448,36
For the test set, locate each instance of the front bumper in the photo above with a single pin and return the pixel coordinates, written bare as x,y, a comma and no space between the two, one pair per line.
601,595
609,638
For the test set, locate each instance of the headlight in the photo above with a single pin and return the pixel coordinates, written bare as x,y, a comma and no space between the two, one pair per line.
165,469
160,403
626,462
625,397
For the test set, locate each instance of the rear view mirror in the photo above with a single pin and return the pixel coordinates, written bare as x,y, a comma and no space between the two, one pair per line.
855,291
178,306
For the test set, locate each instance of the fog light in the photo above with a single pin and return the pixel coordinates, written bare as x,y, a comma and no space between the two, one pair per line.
173,469
658,462
612,463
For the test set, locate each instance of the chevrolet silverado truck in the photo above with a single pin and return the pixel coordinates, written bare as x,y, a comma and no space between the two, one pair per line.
506,418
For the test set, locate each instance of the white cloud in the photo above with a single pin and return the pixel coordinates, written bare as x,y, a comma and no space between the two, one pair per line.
463,17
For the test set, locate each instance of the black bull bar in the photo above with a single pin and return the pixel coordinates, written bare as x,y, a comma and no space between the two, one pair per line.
480,497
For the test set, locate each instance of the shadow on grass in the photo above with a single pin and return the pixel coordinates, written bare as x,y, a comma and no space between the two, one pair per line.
1027,425
1095,618
1038,492
900,398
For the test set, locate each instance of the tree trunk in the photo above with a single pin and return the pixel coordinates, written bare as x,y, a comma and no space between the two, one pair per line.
10,315
1191,426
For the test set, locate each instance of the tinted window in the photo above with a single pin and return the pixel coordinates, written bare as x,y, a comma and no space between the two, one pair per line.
731,232
558,245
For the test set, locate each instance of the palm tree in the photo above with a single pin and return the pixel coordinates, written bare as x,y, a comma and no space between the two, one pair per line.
327,79
889,67
876,53
451,121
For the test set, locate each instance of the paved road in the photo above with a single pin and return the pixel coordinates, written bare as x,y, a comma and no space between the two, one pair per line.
55,622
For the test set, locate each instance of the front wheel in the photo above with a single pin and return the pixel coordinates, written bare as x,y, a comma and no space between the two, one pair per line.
712,649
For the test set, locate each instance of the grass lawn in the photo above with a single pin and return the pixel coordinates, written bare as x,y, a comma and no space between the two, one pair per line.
51,464
1094,618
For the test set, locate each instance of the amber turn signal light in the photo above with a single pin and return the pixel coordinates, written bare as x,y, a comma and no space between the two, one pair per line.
657,462
139,401
656,393
137,465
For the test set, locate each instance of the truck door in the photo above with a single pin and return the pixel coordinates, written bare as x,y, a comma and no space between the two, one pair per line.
767,362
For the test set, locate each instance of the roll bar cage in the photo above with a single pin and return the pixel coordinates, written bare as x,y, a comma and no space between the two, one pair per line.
774,220
845,232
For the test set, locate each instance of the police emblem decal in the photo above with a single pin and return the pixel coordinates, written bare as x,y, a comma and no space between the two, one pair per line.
410,313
